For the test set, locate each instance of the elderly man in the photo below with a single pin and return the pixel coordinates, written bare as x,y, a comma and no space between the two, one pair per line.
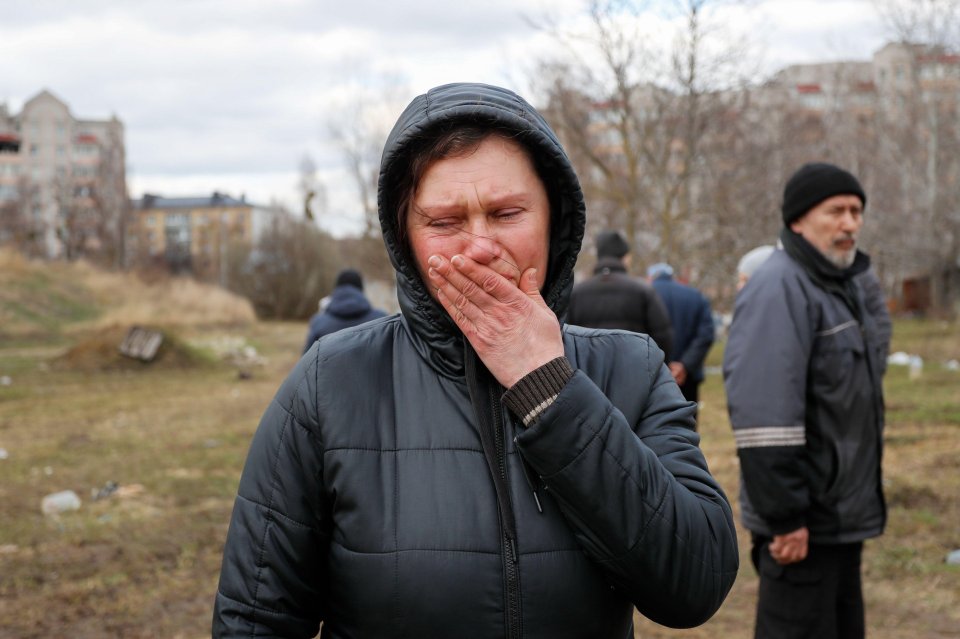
802,373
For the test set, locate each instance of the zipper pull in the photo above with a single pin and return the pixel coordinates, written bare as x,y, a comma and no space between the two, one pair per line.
513,549
530,481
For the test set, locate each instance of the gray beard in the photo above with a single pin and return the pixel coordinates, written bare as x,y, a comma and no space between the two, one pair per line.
843,260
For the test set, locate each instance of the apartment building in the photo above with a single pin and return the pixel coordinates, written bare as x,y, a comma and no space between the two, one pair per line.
62,179
193,234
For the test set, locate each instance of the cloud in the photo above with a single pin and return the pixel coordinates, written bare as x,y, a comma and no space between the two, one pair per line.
230,94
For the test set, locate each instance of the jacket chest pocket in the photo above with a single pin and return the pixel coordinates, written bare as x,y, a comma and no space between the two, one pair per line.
838,351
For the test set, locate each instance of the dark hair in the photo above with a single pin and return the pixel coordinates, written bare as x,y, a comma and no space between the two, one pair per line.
449,141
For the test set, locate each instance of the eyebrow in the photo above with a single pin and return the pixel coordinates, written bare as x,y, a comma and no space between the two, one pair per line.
517,198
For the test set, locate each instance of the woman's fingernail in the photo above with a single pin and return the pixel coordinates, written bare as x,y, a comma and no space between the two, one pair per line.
434,260
457,260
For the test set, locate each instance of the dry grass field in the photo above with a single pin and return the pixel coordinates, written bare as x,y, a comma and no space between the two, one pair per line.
143,561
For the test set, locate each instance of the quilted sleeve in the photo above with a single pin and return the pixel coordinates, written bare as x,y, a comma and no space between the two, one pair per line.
637,493
270,580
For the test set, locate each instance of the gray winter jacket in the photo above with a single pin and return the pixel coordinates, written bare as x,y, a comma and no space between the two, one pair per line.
389,493
802,376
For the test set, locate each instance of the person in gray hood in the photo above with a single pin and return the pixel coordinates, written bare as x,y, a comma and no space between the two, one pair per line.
802,369
472,467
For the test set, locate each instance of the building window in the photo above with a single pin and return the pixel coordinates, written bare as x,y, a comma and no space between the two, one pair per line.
177,219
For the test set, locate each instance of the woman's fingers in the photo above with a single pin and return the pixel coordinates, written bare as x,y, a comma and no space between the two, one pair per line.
470,286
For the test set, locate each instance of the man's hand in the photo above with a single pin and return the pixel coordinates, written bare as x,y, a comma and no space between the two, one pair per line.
791,547
679,372
509,325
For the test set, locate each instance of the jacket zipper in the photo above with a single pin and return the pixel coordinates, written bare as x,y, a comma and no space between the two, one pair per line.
511,569
485,396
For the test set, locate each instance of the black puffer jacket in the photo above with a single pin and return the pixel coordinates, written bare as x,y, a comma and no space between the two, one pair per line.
613,299
389,493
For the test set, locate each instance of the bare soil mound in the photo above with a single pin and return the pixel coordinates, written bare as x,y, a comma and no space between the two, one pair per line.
100,351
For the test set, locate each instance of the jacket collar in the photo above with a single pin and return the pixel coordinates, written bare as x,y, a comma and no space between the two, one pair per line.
609,265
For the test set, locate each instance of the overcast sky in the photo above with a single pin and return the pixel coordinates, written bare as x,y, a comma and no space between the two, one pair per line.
230,95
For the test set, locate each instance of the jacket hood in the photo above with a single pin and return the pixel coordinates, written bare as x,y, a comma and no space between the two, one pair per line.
347,302
436,335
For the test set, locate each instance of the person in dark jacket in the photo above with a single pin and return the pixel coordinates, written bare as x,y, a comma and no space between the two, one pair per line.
347,307
436,473
613,299
803,381
693,329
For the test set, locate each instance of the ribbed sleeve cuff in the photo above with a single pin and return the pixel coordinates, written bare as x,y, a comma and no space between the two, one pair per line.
538,389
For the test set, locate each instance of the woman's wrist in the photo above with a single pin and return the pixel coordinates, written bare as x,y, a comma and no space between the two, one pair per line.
538,389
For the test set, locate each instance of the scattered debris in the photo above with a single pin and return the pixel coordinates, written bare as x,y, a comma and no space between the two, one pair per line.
102,493
9,549
4,454
244,374
916,367
141,343
898,359
48,470
915,362
953,558
5,380
233,350
130,490
63,501
952,365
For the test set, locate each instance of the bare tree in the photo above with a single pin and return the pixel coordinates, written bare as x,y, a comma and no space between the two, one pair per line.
287,271
360,130
21,225
635,114
934,22
920,153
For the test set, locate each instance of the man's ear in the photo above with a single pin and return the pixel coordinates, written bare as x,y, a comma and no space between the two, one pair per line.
797,225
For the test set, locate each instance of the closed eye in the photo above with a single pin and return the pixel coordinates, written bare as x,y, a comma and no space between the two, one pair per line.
507,214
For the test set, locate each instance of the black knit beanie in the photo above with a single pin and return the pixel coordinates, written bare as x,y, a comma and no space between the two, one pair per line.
611,244
812,184
350,277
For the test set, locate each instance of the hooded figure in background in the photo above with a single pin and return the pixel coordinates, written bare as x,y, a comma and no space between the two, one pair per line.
471,466
346,307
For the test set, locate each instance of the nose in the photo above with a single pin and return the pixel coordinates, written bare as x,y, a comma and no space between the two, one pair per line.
851,221
481,242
